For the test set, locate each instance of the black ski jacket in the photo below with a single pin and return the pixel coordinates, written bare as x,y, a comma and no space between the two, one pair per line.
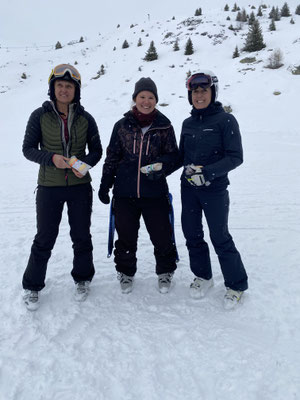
130,149
211,138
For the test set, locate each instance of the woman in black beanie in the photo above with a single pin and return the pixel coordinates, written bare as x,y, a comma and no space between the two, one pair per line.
141,153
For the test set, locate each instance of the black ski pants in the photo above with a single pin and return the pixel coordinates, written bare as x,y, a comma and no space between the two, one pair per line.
155,212
215,206
49,207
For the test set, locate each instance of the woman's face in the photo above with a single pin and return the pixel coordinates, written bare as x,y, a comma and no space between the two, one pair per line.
201,98
145,102
64,91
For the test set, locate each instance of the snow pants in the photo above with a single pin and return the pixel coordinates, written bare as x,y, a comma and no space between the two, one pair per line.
49,207
215,206
155,212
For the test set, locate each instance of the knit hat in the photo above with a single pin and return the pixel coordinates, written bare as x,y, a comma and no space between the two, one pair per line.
145,84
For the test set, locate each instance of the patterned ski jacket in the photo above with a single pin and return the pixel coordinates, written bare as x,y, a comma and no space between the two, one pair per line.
211,138
130,149
45,137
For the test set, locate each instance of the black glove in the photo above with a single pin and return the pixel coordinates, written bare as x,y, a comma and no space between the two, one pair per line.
155,175
103,195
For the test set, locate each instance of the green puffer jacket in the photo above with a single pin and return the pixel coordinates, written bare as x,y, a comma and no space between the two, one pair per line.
45,137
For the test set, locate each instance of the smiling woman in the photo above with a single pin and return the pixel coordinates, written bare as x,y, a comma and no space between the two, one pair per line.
141,153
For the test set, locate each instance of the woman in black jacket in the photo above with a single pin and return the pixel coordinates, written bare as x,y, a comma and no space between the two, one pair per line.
141,153
210,147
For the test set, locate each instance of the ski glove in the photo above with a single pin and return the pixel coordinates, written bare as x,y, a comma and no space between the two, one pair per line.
194,175
103,195
153,171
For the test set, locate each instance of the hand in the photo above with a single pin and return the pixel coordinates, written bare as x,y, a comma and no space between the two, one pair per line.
194,175
60,162
103,196
155,175
77,173
153,171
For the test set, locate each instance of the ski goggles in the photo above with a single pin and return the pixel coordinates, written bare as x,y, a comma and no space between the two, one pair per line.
60,70
202,80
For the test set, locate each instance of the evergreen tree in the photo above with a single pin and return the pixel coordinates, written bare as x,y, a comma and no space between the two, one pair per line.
254,40
244,16
226,8
251,18
259,12
139,44
235,7
277,14
228,18
292,21
189,48
151,54
285,11
81,40
198,12
176,45
297,10
125,44
236,53
272,26
58,46
238,17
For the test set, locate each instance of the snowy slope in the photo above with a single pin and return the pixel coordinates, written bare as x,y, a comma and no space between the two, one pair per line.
146,346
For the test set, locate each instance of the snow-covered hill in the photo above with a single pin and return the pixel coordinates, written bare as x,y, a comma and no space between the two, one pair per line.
146,346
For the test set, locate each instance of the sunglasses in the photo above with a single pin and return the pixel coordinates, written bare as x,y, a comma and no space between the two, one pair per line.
202,80
60,70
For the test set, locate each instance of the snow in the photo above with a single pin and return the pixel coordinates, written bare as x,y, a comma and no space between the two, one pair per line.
146,345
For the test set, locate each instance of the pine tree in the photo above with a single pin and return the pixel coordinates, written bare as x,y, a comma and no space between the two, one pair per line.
198,12
125,44
285,11
292,21
251,18
139,44
235,7
226,8
254,40
238,17
58,46
81,40
297,10
236,53
259,12
272,13
277,14
176,45
189,48
244,16
272,26
151,54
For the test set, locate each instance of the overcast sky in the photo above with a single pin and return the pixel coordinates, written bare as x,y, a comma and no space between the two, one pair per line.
42,22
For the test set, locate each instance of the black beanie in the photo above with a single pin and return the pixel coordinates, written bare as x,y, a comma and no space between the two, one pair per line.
145,84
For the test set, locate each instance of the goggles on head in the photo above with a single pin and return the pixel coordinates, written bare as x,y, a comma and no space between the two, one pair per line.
60,70
202,80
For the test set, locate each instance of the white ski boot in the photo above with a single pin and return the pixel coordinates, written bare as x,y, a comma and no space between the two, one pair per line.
126,282
31,299
82,290
200,287
232,298
164,282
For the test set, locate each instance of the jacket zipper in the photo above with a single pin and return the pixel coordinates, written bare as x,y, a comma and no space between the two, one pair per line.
139,167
